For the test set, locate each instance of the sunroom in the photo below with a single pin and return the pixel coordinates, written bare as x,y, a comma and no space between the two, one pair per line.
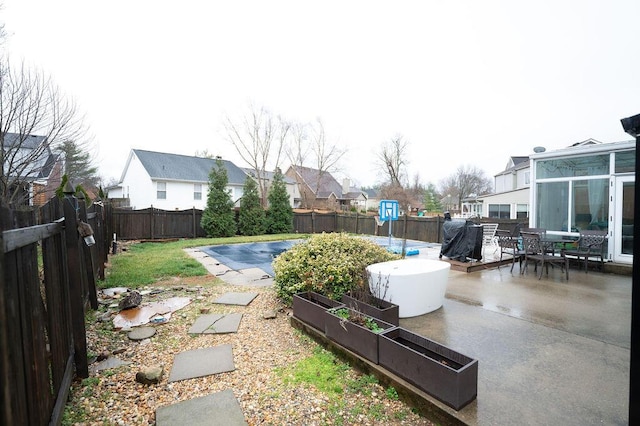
583,187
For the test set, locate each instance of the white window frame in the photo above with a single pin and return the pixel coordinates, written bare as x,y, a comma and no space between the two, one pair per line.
161,190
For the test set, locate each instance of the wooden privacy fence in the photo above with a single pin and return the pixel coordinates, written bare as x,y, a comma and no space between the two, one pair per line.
153,223
42,329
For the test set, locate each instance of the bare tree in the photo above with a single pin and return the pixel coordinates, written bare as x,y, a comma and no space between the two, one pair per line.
30,105
466,181
393,158
308,148
259,138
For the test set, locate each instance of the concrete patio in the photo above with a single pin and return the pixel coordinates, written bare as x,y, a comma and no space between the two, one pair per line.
550,351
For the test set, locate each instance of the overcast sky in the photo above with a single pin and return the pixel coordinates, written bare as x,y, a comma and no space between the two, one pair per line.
465,82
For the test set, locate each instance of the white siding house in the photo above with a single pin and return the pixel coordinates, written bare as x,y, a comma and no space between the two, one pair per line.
511,197
171,181
290,184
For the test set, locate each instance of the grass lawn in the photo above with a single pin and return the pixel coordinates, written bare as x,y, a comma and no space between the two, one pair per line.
145,263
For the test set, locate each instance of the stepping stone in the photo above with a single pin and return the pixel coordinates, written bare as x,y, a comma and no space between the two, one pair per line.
141,333
255,277
218,409
202,362
107,364
242,299
216,324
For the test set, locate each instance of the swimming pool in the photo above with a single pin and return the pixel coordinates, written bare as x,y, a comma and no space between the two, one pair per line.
250,255
261,255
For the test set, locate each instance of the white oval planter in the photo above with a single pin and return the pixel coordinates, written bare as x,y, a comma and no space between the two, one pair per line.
417,286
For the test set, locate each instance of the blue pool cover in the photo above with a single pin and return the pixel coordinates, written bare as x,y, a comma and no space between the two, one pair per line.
249,255
260,255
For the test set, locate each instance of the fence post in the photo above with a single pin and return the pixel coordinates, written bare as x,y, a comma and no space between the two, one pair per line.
151,221
88,258
8,412
193,215
75,282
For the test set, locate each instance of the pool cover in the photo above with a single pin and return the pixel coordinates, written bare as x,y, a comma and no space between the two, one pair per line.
260,255
250,255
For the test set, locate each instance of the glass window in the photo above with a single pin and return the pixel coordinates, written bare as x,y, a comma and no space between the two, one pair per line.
628,202
592,165
590,205
197,191
527,178
625,161
500,211
522,211
552,206
161,192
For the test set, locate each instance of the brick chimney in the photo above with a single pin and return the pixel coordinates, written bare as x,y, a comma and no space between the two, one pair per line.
345,186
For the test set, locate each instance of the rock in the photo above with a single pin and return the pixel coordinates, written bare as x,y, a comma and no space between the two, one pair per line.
130,300
106,316
119,351
269,315
103,355
205,310
141,333
150,375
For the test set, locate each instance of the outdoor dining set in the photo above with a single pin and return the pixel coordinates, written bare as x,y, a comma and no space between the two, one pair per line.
535,246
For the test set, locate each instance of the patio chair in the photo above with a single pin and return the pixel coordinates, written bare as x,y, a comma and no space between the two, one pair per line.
534,250
550,249
489,235
590,244
508,244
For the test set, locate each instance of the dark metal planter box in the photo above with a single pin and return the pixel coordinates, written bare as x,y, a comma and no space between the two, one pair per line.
355,337
311,308
438,370
387,311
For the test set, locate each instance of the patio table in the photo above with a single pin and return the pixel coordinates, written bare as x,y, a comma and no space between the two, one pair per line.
552,240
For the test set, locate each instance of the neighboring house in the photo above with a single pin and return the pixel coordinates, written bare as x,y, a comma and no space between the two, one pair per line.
172,181
511,197
587,186
32,168
290,184
373,199
322,191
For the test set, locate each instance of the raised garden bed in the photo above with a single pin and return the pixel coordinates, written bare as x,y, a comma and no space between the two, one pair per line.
443,373
372,306
311,308
355,331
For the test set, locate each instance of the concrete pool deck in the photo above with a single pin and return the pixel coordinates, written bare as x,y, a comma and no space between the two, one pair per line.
550,351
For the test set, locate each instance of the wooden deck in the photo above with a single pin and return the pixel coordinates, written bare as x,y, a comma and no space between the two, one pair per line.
473,266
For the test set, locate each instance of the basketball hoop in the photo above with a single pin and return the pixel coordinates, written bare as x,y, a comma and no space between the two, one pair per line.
378,221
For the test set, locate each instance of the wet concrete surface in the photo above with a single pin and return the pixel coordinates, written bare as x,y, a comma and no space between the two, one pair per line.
550,351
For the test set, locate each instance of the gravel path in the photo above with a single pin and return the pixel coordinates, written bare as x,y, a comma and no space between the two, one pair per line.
261,348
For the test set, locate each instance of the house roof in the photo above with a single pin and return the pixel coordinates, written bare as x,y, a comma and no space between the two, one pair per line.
269,175
515,163
327,184
29,150
187,168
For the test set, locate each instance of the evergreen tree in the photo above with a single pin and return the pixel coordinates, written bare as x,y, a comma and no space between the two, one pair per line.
431,199
252,215
78,165
280,214
218,218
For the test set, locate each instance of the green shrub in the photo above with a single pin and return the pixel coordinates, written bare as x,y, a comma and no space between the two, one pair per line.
329,264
